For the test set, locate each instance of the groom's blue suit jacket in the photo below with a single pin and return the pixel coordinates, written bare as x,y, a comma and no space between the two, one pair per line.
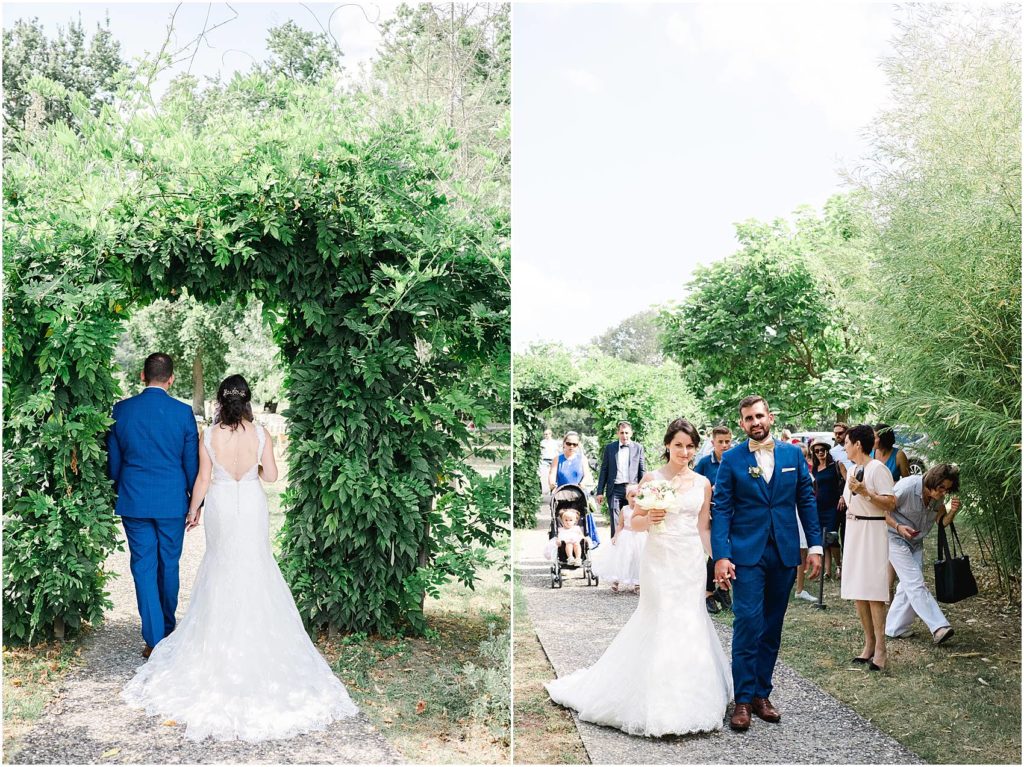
153,450
747,507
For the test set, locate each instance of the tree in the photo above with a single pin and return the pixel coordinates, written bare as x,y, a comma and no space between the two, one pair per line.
760,322
207,342
192,333
90,69
635,339
297,54
456,59
943,189
252,353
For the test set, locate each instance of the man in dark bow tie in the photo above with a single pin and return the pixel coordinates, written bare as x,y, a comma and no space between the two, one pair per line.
622,464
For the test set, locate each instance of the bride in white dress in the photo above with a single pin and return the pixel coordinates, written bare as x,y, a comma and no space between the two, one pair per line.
665,672
240,664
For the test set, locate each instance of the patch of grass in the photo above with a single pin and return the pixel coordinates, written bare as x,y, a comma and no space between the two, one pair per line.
544,732
31,677
954,704
441,699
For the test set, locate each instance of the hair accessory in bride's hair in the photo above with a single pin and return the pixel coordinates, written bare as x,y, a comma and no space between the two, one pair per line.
233,393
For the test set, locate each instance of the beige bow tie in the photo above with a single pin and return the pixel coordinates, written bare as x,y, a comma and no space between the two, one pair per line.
768,445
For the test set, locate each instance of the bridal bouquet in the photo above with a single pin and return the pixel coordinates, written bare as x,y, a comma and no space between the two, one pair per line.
658,494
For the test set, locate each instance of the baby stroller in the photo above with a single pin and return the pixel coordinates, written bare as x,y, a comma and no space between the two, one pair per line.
570,497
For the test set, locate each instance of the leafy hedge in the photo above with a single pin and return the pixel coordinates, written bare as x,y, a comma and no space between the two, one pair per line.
395,299
550,377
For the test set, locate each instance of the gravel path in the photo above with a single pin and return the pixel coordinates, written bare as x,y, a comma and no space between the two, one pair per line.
87,719
815,728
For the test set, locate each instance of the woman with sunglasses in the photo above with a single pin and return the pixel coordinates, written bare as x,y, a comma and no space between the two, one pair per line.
828,489
571,467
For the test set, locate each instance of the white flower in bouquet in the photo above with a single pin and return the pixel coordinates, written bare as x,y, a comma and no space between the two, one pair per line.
658,494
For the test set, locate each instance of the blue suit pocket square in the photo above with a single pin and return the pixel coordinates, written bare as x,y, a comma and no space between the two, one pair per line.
790,468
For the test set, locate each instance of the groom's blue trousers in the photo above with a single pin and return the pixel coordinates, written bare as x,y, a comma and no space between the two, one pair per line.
155,546
760,598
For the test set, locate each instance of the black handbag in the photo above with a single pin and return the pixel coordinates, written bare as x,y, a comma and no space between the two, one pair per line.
953,577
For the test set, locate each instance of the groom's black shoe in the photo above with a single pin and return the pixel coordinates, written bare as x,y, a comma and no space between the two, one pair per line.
147,652
765,710
740,719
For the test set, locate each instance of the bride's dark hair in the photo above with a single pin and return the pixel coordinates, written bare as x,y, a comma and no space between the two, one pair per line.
234,396
684,426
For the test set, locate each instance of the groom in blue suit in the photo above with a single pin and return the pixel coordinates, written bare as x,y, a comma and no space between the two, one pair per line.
762,485
153,450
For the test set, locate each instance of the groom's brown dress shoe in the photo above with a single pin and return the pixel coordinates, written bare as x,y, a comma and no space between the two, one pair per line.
147,652
740,719
765,710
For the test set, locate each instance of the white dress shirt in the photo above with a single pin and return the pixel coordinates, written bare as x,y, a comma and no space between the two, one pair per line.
766,462
622,464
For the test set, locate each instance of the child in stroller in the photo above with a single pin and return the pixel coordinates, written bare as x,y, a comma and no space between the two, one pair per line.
569,545
570,536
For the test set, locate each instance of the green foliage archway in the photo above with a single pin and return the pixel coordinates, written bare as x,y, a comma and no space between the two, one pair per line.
395,334
611,389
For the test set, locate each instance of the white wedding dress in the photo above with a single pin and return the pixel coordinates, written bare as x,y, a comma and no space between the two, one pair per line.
240,664
665,672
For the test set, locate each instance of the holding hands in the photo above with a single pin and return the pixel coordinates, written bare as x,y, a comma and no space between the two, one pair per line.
725,571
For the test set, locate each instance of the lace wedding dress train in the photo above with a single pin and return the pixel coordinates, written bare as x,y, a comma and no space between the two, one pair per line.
665,673
240,664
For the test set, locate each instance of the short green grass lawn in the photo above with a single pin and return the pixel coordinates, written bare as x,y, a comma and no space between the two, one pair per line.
442,698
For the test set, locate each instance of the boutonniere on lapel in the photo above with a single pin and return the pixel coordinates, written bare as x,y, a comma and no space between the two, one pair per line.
754,471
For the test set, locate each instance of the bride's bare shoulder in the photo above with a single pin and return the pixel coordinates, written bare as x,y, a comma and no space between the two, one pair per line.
648,476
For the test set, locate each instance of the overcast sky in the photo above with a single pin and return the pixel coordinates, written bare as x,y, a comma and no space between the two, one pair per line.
141,29
641,134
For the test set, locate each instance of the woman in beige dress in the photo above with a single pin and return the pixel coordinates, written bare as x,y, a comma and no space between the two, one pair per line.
866,551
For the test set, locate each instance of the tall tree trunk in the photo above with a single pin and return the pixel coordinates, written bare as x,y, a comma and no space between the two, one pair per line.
198,401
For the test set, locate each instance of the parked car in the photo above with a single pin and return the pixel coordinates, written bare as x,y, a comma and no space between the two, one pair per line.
807,437
916,445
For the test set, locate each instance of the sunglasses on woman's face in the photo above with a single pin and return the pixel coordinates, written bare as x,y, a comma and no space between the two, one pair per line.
820,451
572,444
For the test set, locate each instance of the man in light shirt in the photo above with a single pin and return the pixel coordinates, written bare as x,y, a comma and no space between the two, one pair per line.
622,465
549,449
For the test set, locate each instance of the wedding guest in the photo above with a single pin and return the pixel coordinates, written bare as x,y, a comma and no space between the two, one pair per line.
919,503
893,457
895,460
548,453
866,551
799,591
838,454
828,490
721,440
571,467
619,564
807,454
622,464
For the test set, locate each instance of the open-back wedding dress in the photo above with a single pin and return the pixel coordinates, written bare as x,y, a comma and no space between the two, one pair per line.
240,664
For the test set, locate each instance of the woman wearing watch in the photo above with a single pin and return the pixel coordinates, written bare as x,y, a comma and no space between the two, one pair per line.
868,494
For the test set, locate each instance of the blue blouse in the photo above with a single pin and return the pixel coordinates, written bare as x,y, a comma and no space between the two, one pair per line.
570,470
